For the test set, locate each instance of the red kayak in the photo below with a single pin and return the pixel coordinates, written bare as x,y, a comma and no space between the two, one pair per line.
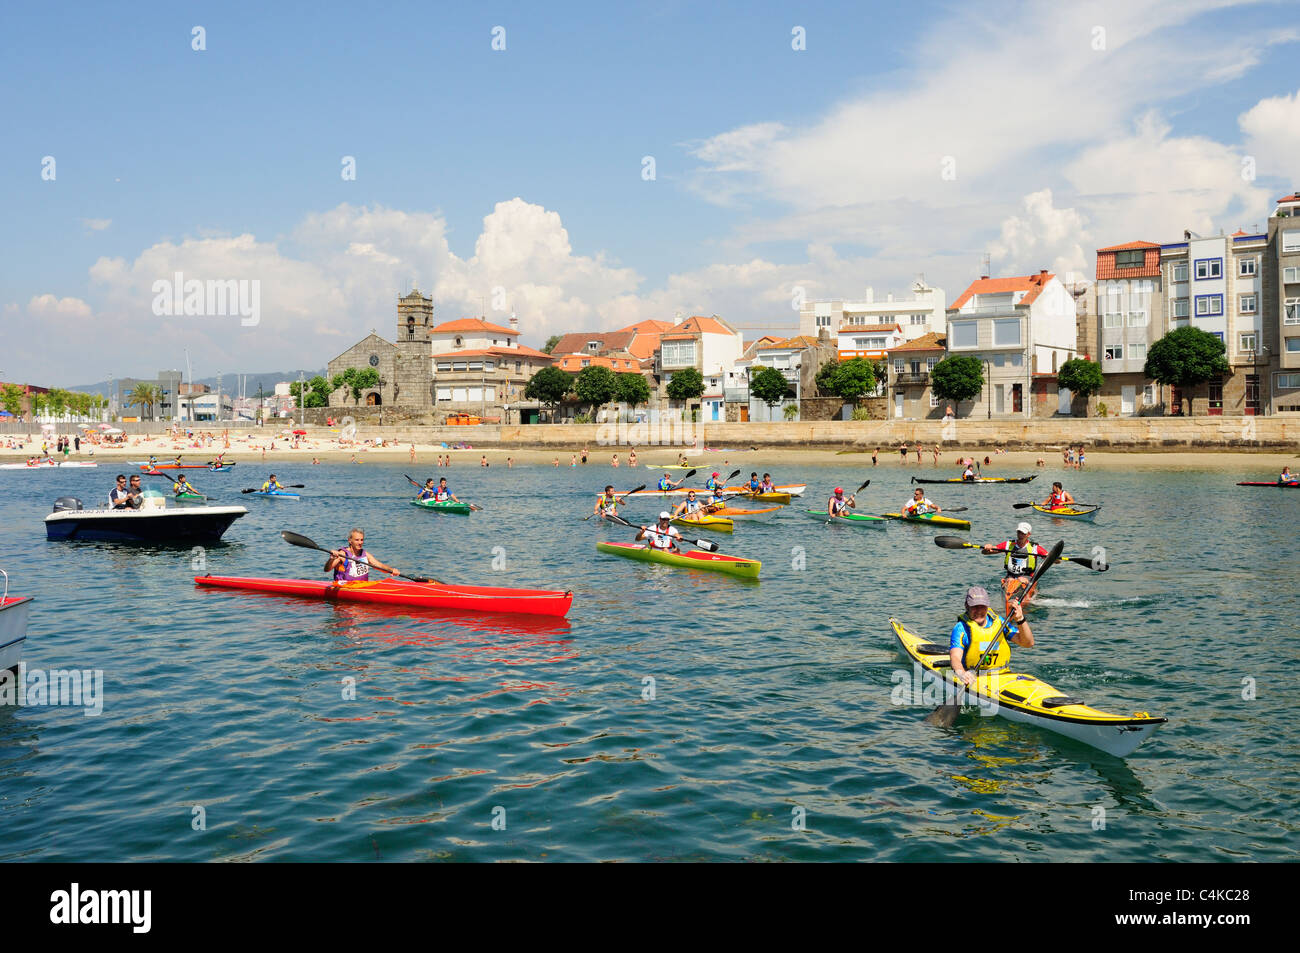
395,592
1281,486
174,466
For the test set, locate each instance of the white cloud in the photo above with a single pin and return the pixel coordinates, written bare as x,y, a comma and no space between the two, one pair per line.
96,224
1272,130
1043,237
49,306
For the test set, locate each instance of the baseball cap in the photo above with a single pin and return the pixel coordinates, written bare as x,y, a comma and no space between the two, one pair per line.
716,474
839,489
1024,528
977,596
665,515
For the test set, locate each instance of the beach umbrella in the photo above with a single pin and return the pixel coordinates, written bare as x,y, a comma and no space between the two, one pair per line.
300,432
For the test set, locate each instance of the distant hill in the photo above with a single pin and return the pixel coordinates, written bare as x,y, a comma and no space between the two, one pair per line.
229,382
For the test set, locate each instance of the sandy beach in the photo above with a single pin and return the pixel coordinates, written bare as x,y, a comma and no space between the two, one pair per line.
254,450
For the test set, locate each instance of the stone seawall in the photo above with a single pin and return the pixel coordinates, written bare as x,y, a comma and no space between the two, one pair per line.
1134,433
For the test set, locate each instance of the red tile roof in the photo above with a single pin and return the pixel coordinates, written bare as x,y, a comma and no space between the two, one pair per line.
869,327
576,343
573,363
1032,285
1150,267
1129,246
519,351
697,324
930,341
1293,197
649,326
471,324
799,341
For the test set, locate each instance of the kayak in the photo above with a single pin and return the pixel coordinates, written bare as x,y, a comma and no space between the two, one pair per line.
691,559
190,497
44,466
159,467
857,519
979,480
739,513
395,592
1011,586
782,498
1070,511
793,489
447,506
1280,486
787,489
934,519
1030,701
717,524
222,468
277,494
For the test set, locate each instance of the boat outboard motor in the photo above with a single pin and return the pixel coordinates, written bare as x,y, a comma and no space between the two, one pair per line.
67,503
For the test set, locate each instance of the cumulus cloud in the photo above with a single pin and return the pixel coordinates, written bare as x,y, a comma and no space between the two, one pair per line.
96,224
49,306
1272,131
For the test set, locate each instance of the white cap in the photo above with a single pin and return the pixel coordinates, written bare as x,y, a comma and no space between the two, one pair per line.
1024,528
665,515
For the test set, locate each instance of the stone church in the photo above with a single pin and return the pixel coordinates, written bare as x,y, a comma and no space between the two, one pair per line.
405,368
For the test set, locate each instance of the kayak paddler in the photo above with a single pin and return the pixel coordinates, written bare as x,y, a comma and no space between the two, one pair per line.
968,475
1058,497
182,485
980,638
442,494
920,504
663,535
272,485
348,563
767,486
666,483
1020,560
607,503
755,484
690,506
428,490
1287,476
837,505
714,486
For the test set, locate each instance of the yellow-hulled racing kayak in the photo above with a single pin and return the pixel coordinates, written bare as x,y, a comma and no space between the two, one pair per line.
1028,700
934,519
718,524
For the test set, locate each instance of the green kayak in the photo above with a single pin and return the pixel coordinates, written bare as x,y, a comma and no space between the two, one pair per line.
448,506
857,519
189,497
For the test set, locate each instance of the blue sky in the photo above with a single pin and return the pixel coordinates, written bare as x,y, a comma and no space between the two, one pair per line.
775,167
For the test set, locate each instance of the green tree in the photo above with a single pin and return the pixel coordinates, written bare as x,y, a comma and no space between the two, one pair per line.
957,378
357,380
768,385
1186,357
633,389
311,397
551,341
686,384
851,380
549,386
11,398
596,386
1081,377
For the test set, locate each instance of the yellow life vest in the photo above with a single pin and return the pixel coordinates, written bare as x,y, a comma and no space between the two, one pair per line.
1028,556
608,504
981,639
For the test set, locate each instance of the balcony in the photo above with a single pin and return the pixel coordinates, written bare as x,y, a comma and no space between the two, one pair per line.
921,377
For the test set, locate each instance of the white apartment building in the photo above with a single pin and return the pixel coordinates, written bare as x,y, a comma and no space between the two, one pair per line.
1018,327
920,314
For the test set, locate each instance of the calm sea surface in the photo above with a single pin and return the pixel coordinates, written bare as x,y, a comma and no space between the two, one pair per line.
227,734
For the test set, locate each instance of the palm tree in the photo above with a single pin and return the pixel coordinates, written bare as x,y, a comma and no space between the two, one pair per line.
143,395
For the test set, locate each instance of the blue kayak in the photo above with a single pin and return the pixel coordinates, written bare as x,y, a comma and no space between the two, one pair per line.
277,494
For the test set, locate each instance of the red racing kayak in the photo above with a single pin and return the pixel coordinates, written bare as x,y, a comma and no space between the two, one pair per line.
395,592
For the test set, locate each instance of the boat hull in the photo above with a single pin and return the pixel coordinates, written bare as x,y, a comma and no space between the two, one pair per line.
13,629
692,559
1068,512
545,602
190,524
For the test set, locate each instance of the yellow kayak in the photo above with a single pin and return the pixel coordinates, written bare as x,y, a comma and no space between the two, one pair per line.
717,524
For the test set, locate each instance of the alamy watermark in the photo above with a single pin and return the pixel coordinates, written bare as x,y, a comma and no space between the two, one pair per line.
662,432
58,687
176,297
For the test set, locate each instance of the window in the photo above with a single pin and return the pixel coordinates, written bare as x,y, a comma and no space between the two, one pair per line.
1006,332
1247,304
1246,267
930,362
1207,268
1291,275
593,346
1216,397
476,365
444,393
1180,308
1291,313
1246,343
1288,381
1133,258
1219,335
1149,395
1137,319
1016,360
1114,320
918,319
518,366
1293,345
999,360
1113,352
678,353
586,362
1291,240
866,344
934,401
965,334
458,394
1137,352
489,365
1179,271
458,365
823,320
444,365
1209,305
898,365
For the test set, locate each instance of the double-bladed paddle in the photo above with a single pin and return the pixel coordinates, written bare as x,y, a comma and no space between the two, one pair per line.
852,496
704,544
945,715
420,486
952,542
297,539
619,498
287,486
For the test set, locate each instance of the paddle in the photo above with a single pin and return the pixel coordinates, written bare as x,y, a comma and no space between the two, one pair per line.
420,486
618,497
952,542
297,539
852,496
704,544
287,486
945,715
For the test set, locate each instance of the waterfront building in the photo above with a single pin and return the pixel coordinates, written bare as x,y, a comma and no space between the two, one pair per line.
908,366
1280,306
922,313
